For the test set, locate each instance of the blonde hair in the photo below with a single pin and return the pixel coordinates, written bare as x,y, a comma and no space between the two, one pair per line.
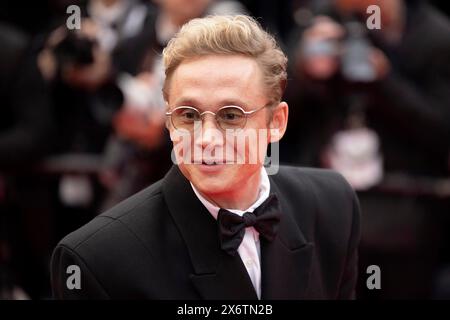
228,35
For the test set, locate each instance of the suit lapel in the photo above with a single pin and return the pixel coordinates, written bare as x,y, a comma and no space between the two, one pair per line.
217,275
286,261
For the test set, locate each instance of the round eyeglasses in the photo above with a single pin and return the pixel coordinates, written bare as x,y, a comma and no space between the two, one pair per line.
227,117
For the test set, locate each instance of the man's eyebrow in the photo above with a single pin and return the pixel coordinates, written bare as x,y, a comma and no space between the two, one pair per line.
186,102
192,102
234,102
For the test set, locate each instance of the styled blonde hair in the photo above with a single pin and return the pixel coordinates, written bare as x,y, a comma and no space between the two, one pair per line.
228,35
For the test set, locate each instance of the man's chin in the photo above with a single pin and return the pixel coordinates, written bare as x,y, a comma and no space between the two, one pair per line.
211,178
211,169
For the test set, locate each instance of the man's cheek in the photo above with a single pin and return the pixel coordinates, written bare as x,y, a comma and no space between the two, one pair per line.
252,146
182,147
230,151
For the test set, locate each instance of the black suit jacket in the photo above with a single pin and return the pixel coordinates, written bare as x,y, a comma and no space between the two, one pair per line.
162,243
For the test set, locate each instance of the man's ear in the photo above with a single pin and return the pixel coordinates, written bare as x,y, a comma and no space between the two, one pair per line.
167,122
278,124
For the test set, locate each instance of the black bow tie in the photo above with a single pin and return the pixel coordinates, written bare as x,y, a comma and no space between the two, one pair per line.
264,219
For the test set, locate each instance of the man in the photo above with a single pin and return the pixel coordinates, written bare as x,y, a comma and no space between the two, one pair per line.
214,228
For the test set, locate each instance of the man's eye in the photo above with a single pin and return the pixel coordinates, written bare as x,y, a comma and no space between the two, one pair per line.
188,115
231,116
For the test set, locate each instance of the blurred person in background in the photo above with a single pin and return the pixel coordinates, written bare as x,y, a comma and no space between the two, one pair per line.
275,16
80,73
85,97
406,72
375,104
25,132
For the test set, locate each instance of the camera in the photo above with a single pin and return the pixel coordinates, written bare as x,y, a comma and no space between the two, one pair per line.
352,52
74,49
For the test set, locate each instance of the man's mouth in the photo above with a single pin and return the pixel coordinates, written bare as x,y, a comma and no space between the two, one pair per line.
211,162
210,166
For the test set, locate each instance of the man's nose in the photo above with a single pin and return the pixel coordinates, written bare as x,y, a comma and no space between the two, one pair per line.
210,131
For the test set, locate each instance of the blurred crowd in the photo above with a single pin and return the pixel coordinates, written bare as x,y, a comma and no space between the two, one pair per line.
82,122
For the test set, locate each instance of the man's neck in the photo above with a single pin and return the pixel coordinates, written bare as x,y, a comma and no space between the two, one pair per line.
241,198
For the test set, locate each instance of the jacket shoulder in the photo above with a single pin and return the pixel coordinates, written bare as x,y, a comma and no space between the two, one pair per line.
319,196
117,217
320,181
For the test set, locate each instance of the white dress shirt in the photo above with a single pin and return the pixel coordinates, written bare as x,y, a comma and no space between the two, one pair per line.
249,249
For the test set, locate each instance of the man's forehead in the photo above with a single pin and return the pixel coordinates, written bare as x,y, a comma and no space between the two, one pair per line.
224,70
225,77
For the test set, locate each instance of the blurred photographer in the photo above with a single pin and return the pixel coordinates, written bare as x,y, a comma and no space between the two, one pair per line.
393,80
84,98
375,105
84,93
